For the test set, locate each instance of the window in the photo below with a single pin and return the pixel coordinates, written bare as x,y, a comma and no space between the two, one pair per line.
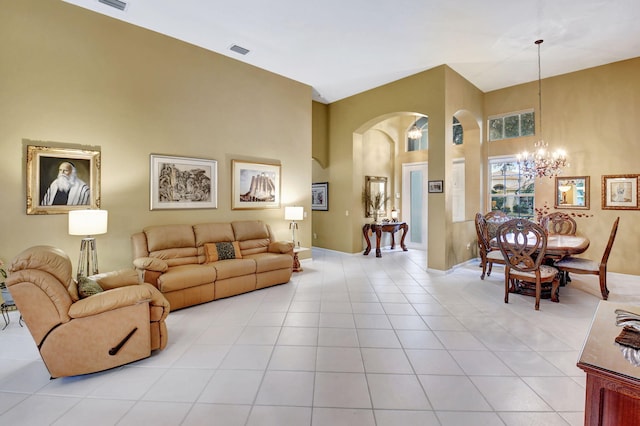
512,125
457,190
457,132
510,191
423,142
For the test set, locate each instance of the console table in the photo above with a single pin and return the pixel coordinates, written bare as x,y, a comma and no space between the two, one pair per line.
378,229
613,383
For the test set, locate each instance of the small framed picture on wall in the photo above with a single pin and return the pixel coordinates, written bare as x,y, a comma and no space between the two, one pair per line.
436,186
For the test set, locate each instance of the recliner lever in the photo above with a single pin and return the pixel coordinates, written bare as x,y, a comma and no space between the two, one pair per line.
116,348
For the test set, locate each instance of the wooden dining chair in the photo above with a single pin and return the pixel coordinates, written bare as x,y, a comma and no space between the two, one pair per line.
579,265
559,223
523,244
488,254
494,219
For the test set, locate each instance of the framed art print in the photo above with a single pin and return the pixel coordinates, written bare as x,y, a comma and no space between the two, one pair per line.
620,192
436,186
254,185
62,179
183,183
320,196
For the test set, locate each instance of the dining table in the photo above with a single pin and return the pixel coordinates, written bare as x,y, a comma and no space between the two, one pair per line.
559,246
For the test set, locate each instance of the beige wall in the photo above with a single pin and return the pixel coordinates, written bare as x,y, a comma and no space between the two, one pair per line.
76,77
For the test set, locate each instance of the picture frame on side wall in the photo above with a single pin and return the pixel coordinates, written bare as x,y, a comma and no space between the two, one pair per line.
183,183
320,196
436,186
62,179
254,185
620,192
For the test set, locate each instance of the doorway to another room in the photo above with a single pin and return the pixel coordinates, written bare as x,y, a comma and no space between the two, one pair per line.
415,203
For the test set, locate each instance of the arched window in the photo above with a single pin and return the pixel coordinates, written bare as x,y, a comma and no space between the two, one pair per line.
457,132
421,143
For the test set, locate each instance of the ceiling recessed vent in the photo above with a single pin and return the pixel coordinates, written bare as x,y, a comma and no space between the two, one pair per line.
120,5
239,49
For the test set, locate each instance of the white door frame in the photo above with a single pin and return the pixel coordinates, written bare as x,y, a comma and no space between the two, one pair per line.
407,168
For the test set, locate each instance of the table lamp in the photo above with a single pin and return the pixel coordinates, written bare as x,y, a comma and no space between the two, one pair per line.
87,223
394,215
294,213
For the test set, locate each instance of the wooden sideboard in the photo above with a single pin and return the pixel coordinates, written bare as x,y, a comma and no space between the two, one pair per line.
613,383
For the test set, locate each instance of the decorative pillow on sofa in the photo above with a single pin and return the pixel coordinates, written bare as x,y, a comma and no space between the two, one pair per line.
88,287
222,251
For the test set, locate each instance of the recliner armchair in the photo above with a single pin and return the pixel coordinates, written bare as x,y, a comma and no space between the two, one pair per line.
122,324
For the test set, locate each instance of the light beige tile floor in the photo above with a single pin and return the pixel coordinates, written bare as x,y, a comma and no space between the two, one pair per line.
353,340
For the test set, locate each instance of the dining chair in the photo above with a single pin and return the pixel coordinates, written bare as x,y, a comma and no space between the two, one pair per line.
488,254
494,219
523,244
559,223
579,265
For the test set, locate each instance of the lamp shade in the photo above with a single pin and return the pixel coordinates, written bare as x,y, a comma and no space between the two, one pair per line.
294,213
87,222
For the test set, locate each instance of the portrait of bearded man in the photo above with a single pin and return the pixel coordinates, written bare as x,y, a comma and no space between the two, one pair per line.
67,189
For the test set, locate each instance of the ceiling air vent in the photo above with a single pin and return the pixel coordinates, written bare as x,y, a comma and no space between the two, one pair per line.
120,5
239,49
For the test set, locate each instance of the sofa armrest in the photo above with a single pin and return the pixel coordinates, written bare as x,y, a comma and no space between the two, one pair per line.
151,264
281,247
110,300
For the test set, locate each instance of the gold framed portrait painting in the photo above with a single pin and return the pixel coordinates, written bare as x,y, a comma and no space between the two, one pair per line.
62,179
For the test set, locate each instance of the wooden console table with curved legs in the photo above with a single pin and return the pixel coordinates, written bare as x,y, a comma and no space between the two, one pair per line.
378,229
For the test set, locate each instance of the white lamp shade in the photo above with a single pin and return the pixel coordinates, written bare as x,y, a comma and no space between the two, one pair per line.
294,213
87,222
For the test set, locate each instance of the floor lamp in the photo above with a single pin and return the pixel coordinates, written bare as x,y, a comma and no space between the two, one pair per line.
294,213
87,223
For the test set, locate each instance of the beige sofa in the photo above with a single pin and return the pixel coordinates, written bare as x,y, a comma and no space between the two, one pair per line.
193,264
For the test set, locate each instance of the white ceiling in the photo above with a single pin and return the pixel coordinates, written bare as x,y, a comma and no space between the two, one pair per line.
344,47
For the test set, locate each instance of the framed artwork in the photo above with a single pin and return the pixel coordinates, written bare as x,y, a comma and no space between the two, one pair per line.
572,192
620,192
62,179
320,196
183,183
254,185
436,186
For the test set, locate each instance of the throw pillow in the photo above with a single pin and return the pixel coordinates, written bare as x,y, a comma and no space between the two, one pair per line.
222,251
88,287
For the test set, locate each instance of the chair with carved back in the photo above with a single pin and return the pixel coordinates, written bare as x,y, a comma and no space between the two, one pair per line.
523,244
580,265
494,219
488,254
559,223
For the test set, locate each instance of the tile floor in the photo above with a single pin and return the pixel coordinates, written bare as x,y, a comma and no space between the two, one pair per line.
353,340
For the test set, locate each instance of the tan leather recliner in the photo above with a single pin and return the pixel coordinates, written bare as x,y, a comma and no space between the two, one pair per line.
75,336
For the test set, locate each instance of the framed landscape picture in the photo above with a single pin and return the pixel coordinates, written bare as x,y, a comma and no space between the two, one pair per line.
183,183
320,196
620,192
254,185
436,186
62,179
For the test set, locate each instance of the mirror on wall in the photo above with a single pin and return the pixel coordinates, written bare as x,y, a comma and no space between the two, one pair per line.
375,195
572,192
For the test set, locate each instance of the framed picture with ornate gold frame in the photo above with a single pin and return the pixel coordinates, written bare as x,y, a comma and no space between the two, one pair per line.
620,192
62,179
254,185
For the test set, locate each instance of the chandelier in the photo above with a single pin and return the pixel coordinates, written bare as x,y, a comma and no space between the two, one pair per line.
414,132
541,162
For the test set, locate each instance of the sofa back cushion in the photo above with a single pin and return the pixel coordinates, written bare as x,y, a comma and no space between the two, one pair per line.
254,236
211,233
176,244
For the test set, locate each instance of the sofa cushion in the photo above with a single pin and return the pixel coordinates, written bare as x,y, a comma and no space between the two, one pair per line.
184,276
271,261
164,237
222,251
213,233
88,287
231,268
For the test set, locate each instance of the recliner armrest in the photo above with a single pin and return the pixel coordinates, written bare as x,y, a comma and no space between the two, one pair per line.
151,264
110,300
117,279
281,247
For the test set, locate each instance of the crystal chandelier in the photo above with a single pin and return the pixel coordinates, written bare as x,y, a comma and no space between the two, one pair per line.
414,132
541,162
